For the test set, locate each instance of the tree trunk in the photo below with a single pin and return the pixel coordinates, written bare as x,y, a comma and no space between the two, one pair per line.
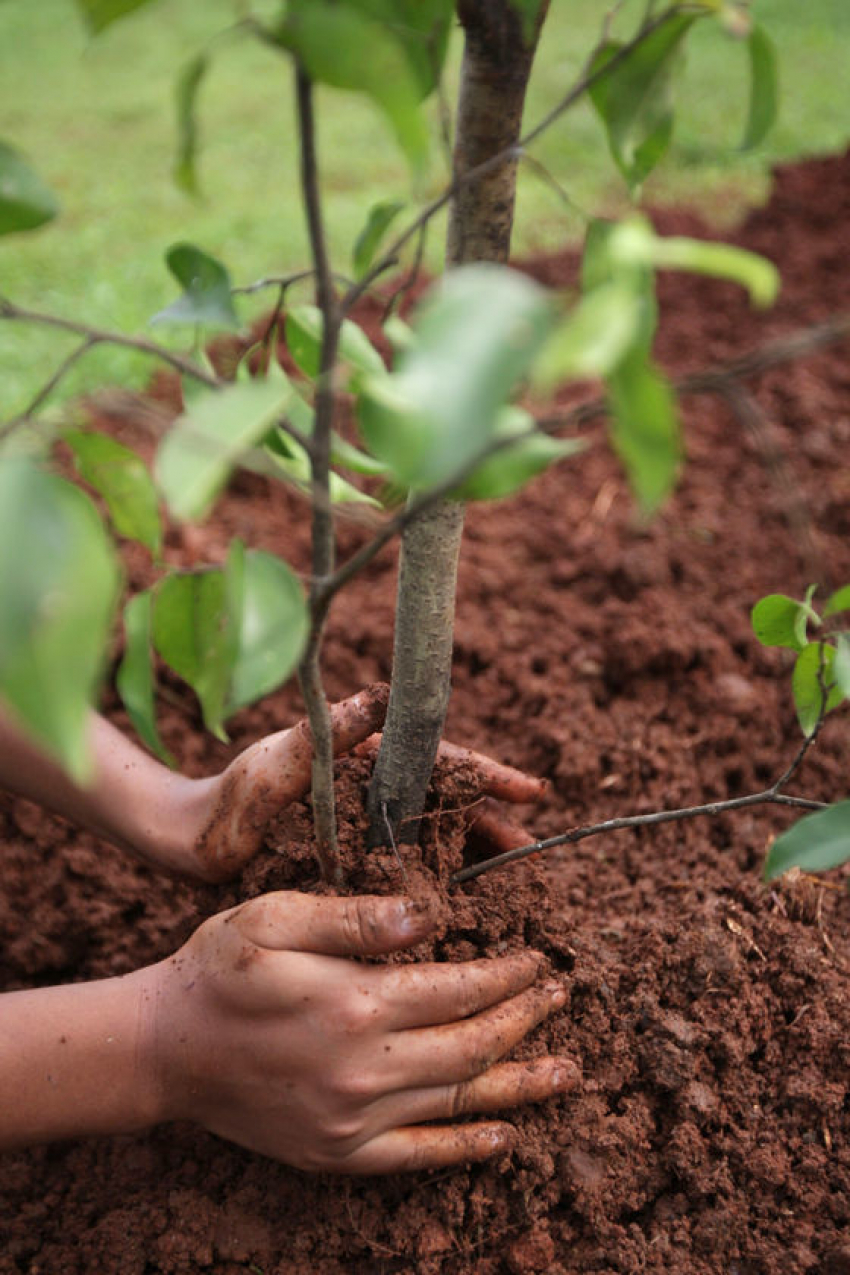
494,77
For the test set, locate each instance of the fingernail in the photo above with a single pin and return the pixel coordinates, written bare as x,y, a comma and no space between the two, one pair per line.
557,993
414,919
565,1075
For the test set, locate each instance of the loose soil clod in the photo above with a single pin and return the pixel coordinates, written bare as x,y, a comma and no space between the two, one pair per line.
708,1014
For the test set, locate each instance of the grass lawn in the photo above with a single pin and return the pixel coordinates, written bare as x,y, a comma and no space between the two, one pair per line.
96,119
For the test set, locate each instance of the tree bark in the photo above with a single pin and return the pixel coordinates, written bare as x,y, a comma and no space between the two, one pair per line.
494,77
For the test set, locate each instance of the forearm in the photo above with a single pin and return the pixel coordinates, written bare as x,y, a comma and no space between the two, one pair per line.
77,1060
133,800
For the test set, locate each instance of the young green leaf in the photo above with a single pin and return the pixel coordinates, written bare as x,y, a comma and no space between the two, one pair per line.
816,843
634,99
634,243
186,95
764,91
101,13
774,621
476,336
841,664
207,294
195,631
273,627
122,479
346,49
506,471
135,678
593,339
25,202
198,453
813,685
381,217
838,601
56,608
293,464
304,326
645,429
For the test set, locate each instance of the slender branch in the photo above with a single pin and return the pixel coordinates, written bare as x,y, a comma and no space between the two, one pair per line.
101,336
768,796
309,671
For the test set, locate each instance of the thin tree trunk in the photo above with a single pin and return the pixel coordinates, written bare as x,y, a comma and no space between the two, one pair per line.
496,67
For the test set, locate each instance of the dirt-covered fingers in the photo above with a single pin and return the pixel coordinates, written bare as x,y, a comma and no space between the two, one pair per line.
504,1086
430,1056
429,1147
429,994
504,782
364,925
494,832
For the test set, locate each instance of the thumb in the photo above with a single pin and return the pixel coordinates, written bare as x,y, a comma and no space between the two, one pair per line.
364,925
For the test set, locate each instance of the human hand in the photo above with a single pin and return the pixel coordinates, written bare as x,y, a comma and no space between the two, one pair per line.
230,812
262,1034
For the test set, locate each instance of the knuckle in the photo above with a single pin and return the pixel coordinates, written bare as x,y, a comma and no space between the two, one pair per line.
458,1100
353,1085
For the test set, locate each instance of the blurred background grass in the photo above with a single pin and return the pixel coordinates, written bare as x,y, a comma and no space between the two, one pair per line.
96,118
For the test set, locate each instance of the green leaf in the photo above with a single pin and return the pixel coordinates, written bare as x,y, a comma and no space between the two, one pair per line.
634,97
838,601
273,628
476,336
529,11
304,326
841,664
195,632
101,13
381,217
422,28
293,464
342,48
186,94
764,91
122,479
645,429
593,339
816,843
634,242
814,666
198,453
508,470
135,678
774,621
25,202
59,584
207,294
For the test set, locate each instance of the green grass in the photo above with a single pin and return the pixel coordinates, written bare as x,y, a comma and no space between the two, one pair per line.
96,118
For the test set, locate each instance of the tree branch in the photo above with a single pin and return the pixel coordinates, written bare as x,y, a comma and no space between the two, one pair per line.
768,796
309,671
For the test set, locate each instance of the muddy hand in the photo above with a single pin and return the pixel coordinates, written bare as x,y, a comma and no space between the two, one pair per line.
492,830
239,803
269,1036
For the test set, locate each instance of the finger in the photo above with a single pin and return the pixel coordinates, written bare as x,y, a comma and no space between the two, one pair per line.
429,1056
286,760
494,832
409,1149
366,925
504,782
429,994
505,1085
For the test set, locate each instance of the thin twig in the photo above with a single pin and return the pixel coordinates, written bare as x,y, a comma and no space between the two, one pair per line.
323,555
102,337
768,796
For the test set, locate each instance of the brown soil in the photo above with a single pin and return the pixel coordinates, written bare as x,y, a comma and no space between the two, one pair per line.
708,1012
